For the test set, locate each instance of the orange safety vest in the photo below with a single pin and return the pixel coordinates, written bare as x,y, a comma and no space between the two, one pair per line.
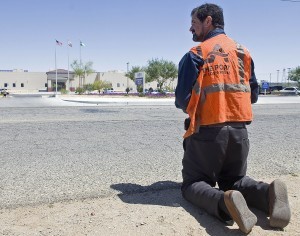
222,91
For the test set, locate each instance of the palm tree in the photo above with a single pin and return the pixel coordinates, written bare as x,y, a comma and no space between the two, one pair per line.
87,70
82,71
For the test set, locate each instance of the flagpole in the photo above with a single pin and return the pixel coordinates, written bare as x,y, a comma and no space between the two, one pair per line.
80,63
68,64
55,73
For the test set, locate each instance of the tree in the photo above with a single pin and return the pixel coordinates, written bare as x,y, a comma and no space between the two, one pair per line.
294,75
78,71
88,87
134,69
82,70
88,69
99,85
161,71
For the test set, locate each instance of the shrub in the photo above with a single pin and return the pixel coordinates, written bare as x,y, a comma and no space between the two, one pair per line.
64,91
80,90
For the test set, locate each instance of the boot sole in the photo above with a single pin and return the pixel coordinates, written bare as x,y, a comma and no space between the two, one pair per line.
239,211
280,212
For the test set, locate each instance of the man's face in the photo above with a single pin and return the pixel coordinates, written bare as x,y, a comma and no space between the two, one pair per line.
198,29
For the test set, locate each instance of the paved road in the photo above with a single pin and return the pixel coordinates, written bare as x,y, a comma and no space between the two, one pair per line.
54,150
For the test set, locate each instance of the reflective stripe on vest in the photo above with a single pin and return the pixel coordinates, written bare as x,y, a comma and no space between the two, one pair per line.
241,54
227,88
222,92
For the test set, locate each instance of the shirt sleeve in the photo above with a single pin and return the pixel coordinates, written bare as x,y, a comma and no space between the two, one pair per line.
253,85
188,71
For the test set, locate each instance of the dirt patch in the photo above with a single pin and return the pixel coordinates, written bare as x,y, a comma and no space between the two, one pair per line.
162,212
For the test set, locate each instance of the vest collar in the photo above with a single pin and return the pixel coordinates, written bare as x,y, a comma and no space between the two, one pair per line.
214,33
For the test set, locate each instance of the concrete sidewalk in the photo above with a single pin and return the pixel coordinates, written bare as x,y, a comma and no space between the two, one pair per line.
268,99
272,99
119,100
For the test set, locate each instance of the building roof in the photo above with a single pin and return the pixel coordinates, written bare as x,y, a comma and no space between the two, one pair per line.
59,71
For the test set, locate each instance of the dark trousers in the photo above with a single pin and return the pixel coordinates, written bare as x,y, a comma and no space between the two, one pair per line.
219,155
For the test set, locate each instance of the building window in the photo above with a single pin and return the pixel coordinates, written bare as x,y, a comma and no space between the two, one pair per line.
14,85
22,85
118,85
5,85
46,85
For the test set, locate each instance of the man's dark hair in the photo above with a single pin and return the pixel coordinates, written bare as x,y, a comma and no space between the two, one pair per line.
212,10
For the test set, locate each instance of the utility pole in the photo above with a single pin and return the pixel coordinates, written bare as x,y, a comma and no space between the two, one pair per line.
289,69
277,76
283,76
127,74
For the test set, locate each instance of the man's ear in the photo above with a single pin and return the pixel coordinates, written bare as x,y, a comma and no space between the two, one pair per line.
208,21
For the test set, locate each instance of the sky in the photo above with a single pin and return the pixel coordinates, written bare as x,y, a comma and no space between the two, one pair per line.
117,32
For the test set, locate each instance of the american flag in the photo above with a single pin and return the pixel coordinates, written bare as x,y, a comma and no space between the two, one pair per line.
58,43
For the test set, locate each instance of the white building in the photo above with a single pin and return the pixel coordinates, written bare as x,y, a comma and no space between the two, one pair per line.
22,81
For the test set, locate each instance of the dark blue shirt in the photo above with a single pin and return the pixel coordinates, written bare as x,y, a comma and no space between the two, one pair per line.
188,71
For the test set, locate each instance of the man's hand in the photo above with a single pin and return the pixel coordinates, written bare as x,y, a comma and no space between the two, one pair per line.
187,122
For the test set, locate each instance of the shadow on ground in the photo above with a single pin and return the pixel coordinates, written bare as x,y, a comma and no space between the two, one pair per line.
167,193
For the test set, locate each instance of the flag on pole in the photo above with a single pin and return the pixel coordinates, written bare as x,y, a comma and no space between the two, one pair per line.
70,44
58,43
82,44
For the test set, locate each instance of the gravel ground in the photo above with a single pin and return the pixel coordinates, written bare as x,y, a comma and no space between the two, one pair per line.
55,155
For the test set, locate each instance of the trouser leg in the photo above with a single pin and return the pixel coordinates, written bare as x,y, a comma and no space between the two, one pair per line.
235,165
254,192
206,197
202,162
233,174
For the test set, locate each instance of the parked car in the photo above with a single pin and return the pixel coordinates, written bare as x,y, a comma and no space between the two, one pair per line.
92,92
169,92
290,90
155,91
4,92
276,88
108,91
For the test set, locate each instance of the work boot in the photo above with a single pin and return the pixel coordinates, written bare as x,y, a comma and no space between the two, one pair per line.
280,213
239,210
